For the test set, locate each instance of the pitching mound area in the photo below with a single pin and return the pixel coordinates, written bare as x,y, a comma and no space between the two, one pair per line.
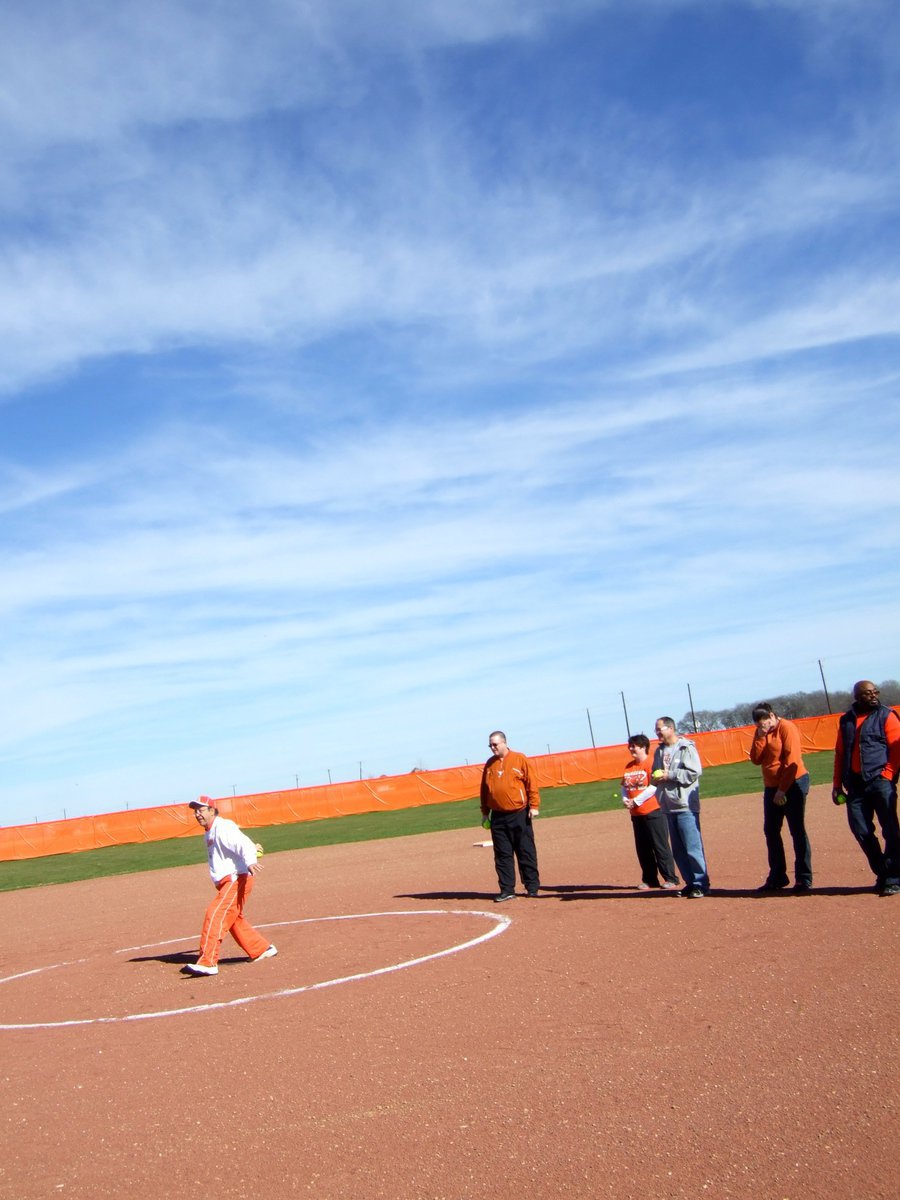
413,1041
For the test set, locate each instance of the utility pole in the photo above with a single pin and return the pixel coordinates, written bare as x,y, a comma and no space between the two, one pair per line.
590,727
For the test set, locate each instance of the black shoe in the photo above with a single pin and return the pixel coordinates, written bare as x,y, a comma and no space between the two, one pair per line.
531,895
802,889
504,896
891,889
694,893
768,886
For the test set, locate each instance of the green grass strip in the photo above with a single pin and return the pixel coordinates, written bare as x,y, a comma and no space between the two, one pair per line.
735,779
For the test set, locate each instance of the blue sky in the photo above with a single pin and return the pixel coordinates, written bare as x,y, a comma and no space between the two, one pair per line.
380,372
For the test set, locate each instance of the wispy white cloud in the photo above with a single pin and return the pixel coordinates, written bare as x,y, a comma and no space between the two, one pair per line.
246,247
540,287
262,569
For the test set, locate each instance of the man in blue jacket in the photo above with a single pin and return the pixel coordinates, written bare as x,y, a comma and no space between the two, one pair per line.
866,766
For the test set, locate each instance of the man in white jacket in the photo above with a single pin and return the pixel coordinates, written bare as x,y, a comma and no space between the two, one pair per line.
232,865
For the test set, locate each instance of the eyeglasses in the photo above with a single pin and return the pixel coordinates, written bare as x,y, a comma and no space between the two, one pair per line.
494,745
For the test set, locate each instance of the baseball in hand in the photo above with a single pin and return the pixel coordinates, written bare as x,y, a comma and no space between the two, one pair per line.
259,850
657,774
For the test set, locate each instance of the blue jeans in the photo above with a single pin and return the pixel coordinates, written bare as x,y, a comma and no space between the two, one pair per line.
877,798
774,816
687,848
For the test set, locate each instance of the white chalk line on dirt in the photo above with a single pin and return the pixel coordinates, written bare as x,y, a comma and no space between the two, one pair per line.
37,970
501,923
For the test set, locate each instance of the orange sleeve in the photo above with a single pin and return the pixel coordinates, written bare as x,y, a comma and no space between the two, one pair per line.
757,746
531,789
892,737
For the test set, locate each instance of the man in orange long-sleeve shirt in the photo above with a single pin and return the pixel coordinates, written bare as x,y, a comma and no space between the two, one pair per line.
776,749
511,797
866,768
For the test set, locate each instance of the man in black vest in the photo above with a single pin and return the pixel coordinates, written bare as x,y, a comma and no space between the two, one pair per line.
866,766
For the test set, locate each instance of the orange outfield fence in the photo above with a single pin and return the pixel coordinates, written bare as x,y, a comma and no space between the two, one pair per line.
364,795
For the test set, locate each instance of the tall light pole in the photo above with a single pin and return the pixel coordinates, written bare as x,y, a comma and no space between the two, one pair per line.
825,686
625,710
693,714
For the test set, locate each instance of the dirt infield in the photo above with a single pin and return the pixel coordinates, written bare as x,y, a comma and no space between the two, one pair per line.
604,1043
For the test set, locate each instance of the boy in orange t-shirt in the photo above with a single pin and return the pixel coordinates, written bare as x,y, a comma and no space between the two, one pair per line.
648,821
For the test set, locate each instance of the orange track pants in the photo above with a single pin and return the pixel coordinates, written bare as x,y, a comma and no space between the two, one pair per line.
226,915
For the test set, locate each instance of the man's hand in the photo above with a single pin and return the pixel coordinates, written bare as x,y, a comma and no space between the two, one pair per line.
838,797
780,799
534,812
659,773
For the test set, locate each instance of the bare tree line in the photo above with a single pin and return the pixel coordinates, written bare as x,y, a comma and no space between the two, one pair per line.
791,705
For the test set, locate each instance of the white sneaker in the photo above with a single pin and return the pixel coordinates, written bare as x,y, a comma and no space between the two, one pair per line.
201,969
270,953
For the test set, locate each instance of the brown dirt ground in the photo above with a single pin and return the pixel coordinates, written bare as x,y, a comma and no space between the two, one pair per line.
608,1044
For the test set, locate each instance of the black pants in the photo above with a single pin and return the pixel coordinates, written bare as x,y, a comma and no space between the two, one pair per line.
865,801
651,841
774,816
513,836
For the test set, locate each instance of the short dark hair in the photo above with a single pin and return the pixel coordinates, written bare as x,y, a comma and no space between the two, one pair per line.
667,721
762,710
639,739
